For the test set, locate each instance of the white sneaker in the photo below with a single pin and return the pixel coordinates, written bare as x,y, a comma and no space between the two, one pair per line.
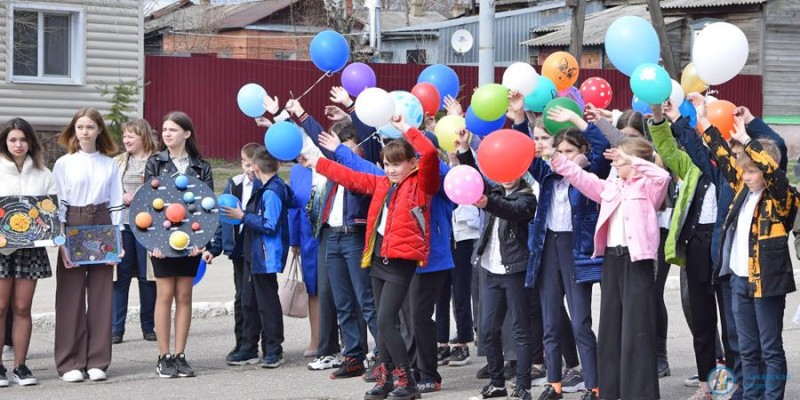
97,374
692,381
324,362
8,353
73,376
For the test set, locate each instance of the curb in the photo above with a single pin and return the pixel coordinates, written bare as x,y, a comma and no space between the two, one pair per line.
200,310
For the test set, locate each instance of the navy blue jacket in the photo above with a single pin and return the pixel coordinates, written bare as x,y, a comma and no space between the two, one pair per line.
300,229
229,234
266,233
584,214
757,129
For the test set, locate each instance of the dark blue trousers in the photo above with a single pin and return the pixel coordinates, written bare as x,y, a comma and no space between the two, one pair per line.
133,264
328,327
457,286
261,307
732,358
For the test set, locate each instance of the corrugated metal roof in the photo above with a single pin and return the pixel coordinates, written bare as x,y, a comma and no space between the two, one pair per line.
594,29
392,20
671,4
250,13
218,16
475,18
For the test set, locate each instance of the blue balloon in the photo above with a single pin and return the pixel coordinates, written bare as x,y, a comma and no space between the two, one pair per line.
651,83
481,127
228,200
284,141
630,42
251,100
444,78
687,110
201,271
640,106
329,51
539,97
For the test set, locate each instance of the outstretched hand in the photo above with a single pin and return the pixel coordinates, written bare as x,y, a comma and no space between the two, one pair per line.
592,113
335,114
263,122
745,113
340,96
399,122
462,141
671,111
293,106
452,106
308,160
329,141
739,132
617,156
516,107
272,104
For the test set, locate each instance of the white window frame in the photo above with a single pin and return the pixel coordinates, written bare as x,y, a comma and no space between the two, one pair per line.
77,51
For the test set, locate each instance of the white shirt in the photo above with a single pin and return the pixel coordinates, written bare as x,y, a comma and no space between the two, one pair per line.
559,216
740,247
88,178
616,229
247,191
382,224
491,260
708,211
336,217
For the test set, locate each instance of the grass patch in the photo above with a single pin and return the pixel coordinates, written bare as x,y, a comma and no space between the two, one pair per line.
226,171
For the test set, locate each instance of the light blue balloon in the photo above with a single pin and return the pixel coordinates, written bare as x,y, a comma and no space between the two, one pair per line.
284,141
444,78
407,105
651,83
481,127
329,51
640,106
630,42
544,92
251,100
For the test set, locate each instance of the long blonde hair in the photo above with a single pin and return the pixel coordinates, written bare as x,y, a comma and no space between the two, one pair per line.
637,147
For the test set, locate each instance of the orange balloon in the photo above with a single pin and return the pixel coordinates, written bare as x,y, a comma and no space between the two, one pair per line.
175,213
562,68
720,114
143,220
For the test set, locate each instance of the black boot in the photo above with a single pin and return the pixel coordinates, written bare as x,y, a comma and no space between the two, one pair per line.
405,386
383,384
661,355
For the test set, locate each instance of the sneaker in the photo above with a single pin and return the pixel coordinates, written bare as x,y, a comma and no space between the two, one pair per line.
149,336
572,381
3,377
589,395
550,393
692,381
324,362
369,374
23,376
96,374
701,394
71,376
242,357
459,356
428,385
116,339
351,367
272,361
663,368
538,375
184,369
483,373
166,367
490,391
232,352
443,355
510,370
521,393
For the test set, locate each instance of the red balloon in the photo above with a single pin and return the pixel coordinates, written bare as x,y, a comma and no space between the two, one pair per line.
429,96
596,91
505,155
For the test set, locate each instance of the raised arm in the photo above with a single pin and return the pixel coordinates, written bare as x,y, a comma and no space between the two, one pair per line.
354,181
657,180
726,162
428,160
757,129
586,182
349,159
523,207
612,134
676,160
598,164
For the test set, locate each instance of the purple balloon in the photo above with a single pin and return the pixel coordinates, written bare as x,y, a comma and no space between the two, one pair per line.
356,77
575,94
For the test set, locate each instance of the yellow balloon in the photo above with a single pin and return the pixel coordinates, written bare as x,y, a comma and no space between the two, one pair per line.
690,81
447,130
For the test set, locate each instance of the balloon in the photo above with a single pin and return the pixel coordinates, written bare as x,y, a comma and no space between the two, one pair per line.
720,114
356,77
284,141
640,106
720,52
375,107
687,110
677,96
429,96
690,81
251,100
490,102
562,68
597,92
409,107
201,272
329,51
544,92
575,94
630,42
228,200
554,127
463,185
520,77
651,83
447,129
444,78
481,127
505,155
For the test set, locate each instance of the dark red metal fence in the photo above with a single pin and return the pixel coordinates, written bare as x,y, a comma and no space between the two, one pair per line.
206,88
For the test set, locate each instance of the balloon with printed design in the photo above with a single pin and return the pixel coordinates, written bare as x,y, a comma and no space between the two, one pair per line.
407,105
463,185
562,68
597,92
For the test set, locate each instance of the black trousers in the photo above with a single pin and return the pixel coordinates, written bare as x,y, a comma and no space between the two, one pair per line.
702,299
457,287
662,316
418,313
260,303
390,294
626,339
238,320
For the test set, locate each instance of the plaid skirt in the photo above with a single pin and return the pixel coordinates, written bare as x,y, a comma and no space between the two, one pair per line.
26,264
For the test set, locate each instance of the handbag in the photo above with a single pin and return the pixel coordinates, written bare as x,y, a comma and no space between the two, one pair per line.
293,294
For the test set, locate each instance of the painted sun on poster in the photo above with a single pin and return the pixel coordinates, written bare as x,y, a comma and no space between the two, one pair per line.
29,221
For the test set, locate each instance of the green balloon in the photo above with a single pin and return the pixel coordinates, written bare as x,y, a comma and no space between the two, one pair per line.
553,127
490,102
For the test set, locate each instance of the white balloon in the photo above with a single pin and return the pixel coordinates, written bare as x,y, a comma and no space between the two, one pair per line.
374,107
720,52
521,77
677,96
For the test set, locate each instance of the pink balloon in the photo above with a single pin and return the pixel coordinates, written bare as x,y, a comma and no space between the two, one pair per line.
463,185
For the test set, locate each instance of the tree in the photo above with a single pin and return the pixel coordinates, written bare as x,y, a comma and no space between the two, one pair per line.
123,95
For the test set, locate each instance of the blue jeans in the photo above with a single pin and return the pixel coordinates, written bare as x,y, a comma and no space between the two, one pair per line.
732,358
352,289
134,263
759,323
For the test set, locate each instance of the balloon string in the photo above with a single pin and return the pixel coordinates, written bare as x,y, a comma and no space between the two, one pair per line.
325,75
367,138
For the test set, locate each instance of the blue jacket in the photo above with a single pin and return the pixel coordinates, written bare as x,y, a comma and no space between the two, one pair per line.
355,205
267,226
228,234
584,214
441,257
300,229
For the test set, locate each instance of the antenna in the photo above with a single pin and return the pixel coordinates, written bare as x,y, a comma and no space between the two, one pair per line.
461,41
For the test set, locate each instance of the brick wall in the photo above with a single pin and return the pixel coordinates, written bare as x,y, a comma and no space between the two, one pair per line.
241,44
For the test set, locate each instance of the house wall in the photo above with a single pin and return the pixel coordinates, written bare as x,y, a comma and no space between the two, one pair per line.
781,57
240,44
114,52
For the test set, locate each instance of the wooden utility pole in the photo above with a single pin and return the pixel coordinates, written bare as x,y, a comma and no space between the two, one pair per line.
657,20
578,19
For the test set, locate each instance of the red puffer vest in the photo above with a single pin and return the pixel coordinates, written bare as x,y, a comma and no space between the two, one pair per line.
407,233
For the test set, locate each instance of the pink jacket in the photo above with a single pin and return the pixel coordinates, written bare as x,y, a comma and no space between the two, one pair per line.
638,197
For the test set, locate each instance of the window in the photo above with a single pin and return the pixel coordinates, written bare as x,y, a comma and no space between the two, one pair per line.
47,44
285,55
416,56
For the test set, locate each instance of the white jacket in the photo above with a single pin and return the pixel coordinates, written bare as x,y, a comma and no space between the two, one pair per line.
466,223
31,181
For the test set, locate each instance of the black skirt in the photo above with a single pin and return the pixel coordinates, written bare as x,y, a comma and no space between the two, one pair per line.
173,267
391,269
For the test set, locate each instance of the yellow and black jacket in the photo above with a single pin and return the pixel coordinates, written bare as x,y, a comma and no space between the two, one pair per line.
770,267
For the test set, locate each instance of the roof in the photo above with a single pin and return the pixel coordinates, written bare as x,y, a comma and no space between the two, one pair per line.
672,4
392,20
183,17
594,29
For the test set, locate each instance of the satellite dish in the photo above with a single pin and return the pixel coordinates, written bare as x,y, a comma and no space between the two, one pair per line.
461,41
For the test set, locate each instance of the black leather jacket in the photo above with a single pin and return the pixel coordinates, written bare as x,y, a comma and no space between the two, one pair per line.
160,164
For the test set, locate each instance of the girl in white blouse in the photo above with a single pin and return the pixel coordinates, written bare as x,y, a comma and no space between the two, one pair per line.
90,193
